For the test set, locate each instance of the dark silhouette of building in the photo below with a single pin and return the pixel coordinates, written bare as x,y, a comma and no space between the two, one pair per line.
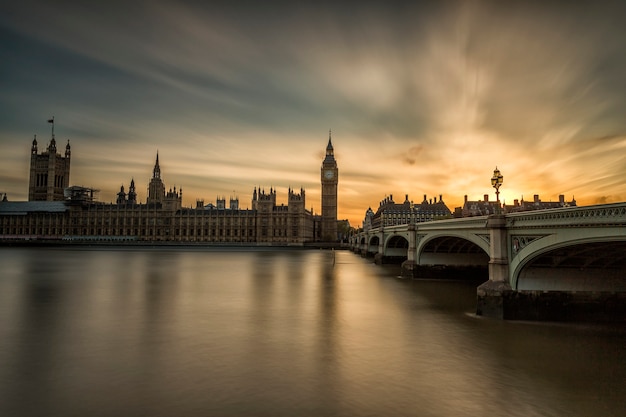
77,216
485,207
482,207
131,197
390,213
537,204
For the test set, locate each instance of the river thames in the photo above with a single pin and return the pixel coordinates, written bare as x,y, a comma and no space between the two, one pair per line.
235,332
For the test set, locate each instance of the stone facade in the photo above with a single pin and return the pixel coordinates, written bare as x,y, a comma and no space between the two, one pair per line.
49,172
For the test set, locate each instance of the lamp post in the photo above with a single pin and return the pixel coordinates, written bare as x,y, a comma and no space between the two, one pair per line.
496,182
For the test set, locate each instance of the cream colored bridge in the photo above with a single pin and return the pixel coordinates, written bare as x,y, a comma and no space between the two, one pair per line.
575,249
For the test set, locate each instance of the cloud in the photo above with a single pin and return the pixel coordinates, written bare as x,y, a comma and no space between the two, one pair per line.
412,154
422,99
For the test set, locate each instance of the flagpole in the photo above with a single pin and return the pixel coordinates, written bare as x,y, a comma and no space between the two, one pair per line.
52,121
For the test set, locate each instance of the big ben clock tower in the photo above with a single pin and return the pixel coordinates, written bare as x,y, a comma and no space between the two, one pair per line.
330,178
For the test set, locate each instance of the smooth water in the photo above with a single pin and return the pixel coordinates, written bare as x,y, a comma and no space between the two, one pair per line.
191,332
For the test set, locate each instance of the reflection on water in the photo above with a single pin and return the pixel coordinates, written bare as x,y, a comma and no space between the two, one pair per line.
122,332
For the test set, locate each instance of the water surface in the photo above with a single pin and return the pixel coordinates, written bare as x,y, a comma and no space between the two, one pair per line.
193,332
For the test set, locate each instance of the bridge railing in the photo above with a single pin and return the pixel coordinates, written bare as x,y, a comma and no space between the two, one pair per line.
598,215
477,222
391,229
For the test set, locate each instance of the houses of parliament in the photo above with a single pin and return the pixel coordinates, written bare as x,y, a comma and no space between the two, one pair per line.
58,212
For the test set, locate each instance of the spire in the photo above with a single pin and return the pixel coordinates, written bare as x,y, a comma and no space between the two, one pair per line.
34,147
68,152
329,147
132,195
156,173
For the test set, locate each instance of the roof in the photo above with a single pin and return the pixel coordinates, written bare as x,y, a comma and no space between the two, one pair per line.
23,207
390,207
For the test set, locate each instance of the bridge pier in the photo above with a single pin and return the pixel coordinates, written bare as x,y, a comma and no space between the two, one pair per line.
491,295
409,266
378,258
496,298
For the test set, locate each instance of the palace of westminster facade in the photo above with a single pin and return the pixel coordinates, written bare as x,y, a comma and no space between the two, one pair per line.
56,211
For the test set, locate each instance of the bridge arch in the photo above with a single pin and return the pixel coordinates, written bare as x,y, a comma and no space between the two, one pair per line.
453,249
567,261
370,246
396,247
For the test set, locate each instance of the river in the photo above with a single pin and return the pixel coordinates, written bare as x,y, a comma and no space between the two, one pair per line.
235,332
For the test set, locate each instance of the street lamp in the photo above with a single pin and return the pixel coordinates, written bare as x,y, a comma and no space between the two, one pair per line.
496,182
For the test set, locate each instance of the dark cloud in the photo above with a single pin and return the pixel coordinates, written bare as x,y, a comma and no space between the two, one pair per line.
412,154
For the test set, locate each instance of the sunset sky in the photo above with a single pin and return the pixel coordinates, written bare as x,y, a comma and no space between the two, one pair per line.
422,97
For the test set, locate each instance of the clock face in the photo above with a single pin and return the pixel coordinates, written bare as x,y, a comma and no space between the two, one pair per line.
328,174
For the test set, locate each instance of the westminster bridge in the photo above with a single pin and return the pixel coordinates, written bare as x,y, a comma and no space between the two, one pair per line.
565,263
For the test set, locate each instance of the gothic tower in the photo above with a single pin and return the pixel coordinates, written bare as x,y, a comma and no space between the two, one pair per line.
156,188
121,196
330,179
49,172
132,194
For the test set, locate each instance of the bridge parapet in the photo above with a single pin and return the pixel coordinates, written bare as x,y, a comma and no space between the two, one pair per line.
473,223
479,222
600,215
394,229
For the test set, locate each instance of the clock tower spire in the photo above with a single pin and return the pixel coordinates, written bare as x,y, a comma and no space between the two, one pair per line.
330,179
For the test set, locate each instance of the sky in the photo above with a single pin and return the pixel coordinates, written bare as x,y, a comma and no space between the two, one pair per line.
423,98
